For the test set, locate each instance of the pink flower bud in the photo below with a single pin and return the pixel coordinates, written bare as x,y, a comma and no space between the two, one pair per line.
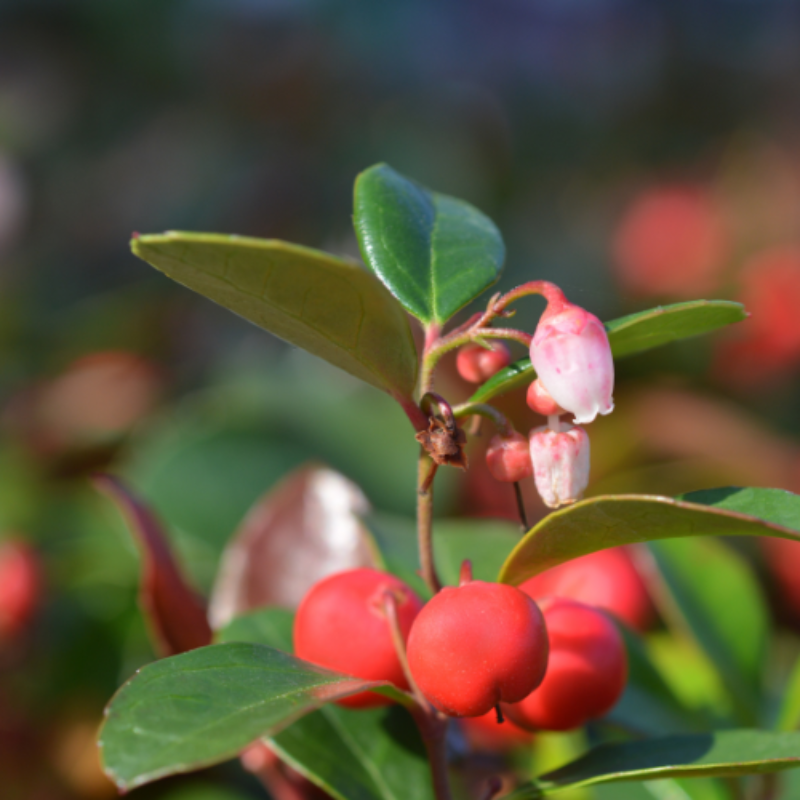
476,364
509,458
571,355
539,400
560,464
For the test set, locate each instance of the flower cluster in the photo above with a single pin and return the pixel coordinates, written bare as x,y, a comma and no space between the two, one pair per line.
572,358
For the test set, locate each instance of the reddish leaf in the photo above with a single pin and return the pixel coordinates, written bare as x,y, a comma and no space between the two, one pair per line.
175,614
307,527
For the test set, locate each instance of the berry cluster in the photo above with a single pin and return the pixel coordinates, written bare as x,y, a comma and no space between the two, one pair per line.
546,665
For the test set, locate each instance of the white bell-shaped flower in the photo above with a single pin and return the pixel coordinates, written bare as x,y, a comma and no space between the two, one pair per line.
560,463
572,357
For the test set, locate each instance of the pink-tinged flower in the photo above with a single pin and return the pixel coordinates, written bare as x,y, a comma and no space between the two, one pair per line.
572,357
560,464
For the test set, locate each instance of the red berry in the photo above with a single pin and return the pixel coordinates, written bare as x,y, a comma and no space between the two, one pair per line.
539,400
475,645
476,364
606,579
673,240
341,625
509,458
20,586
586,673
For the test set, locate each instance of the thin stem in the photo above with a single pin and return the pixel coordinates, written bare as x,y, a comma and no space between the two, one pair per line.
413,412
433,333
425,475
523,517
554,423
433,728
390,609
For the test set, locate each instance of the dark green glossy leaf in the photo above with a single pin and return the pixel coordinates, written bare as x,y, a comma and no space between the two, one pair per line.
602,522
722,753
205,706
374,754
332,308
631,335
352,755
270,626
707,589
435,253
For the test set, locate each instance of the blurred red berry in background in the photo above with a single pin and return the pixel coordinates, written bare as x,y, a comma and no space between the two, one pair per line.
20,587
607,579
671,241
768,343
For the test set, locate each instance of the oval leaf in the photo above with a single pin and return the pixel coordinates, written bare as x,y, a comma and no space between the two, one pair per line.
203,707
723,753
174,613
602,522
435,253
332,308
707,590
371,754
631,335
306,528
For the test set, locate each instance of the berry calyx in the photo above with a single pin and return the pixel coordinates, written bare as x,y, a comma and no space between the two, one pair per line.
341,624
607,579
586,674
476,364
476,645
509,458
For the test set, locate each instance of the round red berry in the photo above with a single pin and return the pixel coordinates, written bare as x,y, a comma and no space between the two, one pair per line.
341,624
607,579
20,586
586,674
475,645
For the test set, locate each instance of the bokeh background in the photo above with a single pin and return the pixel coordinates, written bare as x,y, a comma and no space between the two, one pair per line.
637,152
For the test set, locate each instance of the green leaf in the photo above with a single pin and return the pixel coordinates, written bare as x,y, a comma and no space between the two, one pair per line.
658,326
352,755
602,522
631,335
205,706
270,626
332,308
722,753
648,706
435,253
371,754
789,715
707,590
